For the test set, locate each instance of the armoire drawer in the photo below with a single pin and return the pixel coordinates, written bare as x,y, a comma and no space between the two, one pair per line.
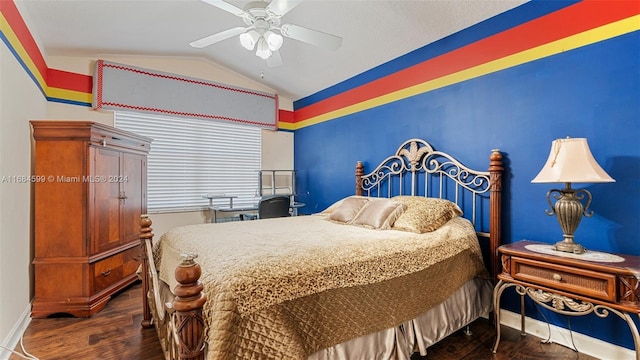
130,261
113,269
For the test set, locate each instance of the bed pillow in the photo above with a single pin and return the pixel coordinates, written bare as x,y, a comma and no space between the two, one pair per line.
348,209
424,214
379,214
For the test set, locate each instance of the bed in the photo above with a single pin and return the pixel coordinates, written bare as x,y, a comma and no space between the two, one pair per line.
404,262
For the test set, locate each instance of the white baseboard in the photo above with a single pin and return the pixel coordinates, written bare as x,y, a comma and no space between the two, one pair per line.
585,344
13,338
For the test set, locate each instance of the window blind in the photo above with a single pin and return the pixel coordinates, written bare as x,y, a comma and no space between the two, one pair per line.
191,158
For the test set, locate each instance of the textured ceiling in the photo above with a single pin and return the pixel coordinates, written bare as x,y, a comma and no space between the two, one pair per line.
373,33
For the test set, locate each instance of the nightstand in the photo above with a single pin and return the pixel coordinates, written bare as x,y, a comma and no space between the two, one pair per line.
570,284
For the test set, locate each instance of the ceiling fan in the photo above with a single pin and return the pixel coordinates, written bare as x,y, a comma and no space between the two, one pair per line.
264,31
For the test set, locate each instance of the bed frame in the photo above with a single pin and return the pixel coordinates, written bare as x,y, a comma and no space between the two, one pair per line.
415,169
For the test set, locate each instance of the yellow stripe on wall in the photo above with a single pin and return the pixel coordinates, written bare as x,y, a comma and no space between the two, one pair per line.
287,126
71,95
22,53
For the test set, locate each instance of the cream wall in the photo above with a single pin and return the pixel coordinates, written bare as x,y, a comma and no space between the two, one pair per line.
277,146
20,101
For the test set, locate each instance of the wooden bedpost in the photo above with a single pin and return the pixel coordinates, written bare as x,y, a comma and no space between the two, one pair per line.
495,205
188,303
146,233
359,174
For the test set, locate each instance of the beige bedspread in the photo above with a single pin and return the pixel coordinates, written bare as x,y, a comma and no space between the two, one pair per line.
284,288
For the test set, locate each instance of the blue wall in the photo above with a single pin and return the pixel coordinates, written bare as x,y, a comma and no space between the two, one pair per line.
592,92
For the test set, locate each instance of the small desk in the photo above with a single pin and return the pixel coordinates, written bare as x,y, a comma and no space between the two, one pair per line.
212,197
213,209
570,284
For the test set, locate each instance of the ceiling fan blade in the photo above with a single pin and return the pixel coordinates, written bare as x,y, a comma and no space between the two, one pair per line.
274,60
212,39
223,5
281,7
310,36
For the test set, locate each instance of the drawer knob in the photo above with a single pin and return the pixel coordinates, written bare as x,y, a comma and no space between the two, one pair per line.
557,277
106,273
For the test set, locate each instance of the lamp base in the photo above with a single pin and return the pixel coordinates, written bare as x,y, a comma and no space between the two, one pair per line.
570,247
569,210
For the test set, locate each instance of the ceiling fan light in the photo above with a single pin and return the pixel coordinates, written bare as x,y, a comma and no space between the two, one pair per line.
263,49
249,39
273,40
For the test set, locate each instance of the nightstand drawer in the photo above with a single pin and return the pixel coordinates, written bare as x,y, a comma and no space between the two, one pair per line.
570,279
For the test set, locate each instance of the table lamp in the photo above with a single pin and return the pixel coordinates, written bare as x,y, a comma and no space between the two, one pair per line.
570,161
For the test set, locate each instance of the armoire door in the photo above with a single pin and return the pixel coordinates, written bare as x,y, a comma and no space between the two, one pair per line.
134,202
107,198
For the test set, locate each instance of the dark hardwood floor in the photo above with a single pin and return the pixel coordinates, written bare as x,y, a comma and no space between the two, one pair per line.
115,333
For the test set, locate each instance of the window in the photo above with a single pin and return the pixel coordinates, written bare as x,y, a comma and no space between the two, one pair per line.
191,158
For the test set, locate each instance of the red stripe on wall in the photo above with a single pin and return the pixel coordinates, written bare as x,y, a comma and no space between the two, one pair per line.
69,81
15,21
565,22
286,116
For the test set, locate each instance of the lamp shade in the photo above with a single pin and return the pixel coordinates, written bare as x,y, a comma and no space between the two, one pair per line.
249,39
571,161
262,50
273,40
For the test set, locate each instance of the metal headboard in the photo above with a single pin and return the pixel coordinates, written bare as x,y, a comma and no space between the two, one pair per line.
417,169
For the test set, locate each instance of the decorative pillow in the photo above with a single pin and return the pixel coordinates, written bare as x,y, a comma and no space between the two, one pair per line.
335,205
348,209
423,214
379,214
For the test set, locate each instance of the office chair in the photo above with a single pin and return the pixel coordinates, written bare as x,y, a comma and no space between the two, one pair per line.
273,206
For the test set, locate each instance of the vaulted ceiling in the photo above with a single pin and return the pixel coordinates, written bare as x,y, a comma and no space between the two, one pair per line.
373,32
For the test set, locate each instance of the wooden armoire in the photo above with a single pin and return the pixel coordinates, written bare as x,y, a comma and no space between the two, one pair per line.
90,184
